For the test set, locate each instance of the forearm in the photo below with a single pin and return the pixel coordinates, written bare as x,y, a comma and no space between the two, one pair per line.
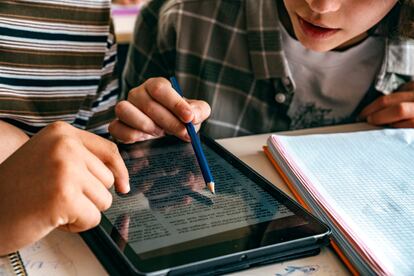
11,138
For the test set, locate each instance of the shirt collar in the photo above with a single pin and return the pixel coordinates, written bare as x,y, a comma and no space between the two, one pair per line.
398,65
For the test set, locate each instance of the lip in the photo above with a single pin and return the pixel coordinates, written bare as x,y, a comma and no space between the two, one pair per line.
316,31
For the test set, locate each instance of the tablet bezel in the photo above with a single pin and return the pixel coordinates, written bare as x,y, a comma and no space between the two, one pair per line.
315,232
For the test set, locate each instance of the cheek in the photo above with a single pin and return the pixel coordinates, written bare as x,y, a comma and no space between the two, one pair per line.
363,15
293,6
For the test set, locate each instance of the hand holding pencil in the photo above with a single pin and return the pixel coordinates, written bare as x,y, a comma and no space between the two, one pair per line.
153,109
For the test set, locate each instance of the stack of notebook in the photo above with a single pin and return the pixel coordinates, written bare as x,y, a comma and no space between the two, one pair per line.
362,185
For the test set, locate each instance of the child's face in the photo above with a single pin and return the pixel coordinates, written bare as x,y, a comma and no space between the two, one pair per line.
323,25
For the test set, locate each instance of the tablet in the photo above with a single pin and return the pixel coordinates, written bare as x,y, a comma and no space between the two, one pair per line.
171,223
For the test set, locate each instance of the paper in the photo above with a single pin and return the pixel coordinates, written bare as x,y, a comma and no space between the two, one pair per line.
301,267
171,205
365,180
60,253
5,267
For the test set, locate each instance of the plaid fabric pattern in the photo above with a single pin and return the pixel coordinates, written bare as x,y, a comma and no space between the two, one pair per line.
228,53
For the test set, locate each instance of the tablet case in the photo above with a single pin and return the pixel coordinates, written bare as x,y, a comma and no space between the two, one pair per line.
116,264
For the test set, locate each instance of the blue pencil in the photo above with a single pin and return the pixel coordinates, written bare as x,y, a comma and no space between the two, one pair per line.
195,142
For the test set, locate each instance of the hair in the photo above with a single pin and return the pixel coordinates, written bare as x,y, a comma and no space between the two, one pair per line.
406,19
400,20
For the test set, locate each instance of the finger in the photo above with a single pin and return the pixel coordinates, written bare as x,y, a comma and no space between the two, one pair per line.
404,124
84,216
98,169
201,110
128,135
187,200
124,226
392,114
159,114
161,91
136,119
195,182
97,193
108,153
386,101
409,86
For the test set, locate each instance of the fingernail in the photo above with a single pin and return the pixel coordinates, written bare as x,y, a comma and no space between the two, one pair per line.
187,137
187,113
127,189
128,185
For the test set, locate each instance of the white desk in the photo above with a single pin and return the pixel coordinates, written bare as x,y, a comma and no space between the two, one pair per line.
124,27
124,21
62,253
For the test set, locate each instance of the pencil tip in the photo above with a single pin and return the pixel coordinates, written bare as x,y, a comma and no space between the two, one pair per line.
210,186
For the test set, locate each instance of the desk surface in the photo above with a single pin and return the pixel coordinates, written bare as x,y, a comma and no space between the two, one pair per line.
124,21
62,253
124,27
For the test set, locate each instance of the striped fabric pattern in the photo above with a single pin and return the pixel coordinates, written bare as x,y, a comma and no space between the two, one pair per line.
57,61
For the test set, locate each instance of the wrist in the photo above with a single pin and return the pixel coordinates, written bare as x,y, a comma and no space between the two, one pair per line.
11,139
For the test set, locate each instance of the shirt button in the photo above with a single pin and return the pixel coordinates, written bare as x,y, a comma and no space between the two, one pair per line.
286,82
280,98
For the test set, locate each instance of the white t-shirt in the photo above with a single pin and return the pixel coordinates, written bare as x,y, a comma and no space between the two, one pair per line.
330,85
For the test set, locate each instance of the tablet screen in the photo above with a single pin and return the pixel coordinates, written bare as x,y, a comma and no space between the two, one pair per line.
170,210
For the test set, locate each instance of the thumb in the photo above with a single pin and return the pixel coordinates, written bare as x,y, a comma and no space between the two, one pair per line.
201,110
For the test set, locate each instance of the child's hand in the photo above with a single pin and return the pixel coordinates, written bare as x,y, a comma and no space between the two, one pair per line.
396,109
155,108
59,178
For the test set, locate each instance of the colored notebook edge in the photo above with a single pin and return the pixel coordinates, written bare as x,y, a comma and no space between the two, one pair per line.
295,193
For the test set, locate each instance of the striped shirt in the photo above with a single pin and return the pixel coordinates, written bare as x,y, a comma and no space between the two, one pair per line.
229,53
57,60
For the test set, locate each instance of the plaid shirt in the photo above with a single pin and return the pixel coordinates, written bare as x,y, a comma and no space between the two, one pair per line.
229,53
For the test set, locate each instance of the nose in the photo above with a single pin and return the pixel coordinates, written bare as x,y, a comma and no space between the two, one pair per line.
324,6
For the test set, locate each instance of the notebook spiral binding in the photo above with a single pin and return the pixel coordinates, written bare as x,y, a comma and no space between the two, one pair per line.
17,264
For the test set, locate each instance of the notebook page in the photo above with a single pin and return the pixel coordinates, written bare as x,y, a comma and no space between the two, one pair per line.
367,178
5,267
60,253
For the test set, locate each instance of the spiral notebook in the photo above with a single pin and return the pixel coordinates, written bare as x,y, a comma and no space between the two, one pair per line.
362,185
12,264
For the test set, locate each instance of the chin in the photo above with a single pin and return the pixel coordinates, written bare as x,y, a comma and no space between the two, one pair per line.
318,45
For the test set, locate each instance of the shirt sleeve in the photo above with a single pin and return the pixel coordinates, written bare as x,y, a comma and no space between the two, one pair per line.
152,50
